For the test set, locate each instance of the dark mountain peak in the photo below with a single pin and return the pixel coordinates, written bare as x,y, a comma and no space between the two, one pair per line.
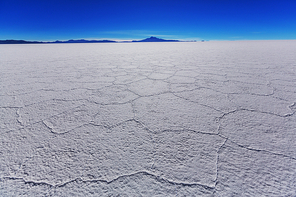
155,39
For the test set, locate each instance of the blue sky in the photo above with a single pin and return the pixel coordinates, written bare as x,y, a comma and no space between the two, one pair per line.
50,20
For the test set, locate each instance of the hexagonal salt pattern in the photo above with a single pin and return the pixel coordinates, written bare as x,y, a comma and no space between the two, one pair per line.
148,119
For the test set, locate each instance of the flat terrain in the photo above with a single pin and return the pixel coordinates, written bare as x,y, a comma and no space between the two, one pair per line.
148,119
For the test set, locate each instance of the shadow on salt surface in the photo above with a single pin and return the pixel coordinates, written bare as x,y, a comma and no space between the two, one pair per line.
94,152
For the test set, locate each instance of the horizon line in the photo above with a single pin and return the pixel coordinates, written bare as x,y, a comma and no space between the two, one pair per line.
117,40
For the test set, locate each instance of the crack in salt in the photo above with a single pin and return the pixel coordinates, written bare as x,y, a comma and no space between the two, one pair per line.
144,173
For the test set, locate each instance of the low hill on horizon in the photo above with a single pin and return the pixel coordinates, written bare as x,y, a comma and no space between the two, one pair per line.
155,39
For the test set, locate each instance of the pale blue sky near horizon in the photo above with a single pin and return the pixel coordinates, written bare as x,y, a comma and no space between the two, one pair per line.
131,20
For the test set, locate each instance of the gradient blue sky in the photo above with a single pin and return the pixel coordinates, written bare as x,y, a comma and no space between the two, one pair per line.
49,20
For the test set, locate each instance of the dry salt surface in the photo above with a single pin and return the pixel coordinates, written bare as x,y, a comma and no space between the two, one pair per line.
148,119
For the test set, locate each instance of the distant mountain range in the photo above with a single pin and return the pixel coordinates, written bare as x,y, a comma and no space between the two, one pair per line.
40,42
83,41
151,39
19,42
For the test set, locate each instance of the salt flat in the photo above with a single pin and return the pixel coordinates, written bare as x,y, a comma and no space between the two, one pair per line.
148,119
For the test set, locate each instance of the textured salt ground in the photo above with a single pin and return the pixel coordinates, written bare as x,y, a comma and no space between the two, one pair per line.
148,119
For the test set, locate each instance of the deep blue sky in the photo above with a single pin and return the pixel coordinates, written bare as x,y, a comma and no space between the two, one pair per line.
49,20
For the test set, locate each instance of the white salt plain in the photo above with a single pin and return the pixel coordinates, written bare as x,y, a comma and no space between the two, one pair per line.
148,119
